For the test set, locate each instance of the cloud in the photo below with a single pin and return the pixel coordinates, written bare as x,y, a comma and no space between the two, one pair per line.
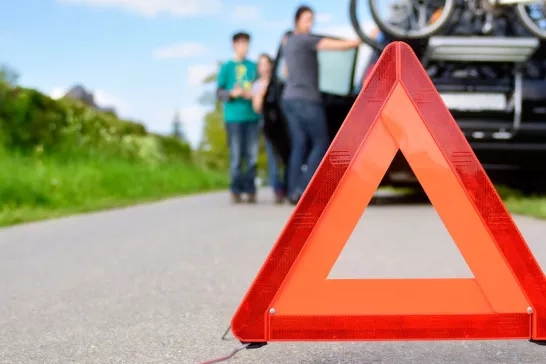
242,13
152,8
198,72
181,50
254,17
57,93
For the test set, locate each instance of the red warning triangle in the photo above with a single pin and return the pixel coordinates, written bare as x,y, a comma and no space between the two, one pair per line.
291,299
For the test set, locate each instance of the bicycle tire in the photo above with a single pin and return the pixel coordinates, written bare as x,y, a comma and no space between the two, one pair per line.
428,31
528,23
358,29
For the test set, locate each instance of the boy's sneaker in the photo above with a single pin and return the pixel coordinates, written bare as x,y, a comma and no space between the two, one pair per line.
251,198
236,198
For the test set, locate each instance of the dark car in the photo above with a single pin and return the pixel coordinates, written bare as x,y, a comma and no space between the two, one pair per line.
494,86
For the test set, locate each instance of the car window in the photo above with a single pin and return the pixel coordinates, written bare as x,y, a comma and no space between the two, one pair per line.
335,71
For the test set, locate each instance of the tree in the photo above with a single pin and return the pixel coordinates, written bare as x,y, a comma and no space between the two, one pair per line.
177,131
213,147
208,97
8,75
8,80
211,78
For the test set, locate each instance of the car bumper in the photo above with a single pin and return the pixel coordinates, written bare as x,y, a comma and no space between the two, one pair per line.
500,153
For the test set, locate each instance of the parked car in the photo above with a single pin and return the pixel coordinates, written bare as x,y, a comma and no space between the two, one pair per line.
493,84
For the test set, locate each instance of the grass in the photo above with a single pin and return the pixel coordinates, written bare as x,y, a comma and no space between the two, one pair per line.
517,203
535,207
47,187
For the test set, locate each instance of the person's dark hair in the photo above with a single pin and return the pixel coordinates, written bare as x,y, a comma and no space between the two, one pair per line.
300,11
266,56
240,36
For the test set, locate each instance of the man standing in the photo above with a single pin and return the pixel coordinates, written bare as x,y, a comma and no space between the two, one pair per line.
302,100
242,123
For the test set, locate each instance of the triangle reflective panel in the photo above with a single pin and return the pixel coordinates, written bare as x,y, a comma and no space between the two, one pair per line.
291,299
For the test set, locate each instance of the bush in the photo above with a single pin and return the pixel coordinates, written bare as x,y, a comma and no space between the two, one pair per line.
173,149
31,121
63,156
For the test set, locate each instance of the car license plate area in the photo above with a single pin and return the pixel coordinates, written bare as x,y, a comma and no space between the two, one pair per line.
471,101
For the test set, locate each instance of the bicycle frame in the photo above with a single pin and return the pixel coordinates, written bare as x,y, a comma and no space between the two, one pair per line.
509,2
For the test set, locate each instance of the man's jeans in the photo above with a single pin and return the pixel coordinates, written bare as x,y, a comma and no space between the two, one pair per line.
275,175
307,124
243,143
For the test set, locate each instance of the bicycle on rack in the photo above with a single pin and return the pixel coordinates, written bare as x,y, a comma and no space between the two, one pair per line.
418,19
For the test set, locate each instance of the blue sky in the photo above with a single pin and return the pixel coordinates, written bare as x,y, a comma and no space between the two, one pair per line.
144,57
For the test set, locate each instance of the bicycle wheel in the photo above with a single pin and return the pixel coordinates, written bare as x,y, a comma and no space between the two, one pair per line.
533,18
355,22
410,19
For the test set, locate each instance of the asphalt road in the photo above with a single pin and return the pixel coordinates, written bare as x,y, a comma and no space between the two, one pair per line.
159,283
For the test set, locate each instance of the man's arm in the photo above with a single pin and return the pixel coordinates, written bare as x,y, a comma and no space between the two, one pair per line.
329,44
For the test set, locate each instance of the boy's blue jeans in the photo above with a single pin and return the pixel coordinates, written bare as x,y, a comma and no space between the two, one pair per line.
275,175
307,124
243,143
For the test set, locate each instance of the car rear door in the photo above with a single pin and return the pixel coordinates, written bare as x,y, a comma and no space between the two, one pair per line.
336,82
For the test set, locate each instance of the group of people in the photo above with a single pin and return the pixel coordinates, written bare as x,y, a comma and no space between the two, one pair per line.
242,85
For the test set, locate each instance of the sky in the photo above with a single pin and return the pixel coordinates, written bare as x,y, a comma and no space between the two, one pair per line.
146,58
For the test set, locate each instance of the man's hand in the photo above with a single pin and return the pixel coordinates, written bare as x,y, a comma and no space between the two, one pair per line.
329,44
236,92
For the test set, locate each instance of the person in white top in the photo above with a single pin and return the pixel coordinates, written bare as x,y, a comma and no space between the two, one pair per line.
258,91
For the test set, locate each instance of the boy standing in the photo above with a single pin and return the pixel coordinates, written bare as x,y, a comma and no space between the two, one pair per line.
242,123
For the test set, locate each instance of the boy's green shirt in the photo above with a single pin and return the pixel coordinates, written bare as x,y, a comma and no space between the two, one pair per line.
243,73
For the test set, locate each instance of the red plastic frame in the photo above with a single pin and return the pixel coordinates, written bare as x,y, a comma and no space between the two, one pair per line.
398,64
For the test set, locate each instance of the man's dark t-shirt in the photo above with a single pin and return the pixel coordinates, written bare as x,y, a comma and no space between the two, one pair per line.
300,56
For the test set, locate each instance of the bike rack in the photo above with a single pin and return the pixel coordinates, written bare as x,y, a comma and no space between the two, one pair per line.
488,49
481,49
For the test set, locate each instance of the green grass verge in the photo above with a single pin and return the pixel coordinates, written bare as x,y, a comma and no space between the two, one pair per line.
535,207
517,203
42,188
35,189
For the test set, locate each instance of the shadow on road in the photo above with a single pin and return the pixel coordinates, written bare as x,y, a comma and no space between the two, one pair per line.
395,198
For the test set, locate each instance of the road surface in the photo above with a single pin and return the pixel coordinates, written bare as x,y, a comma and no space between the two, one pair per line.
159,283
